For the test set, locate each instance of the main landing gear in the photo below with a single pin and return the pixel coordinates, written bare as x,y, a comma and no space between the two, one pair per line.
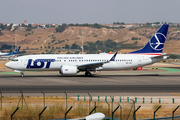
87,73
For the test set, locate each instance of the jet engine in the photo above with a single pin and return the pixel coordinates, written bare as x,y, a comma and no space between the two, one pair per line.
68,70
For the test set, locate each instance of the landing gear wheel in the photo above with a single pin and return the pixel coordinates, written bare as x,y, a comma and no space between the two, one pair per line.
87,74
22,74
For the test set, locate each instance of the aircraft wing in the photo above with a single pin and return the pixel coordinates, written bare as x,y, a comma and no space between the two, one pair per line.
92,66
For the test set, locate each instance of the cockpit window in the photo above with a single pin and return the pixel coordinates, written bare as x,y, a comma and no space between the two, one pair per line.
14,59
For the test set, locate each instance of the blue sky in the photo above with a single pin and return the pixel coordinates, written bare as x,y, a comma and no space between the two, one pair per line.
89,11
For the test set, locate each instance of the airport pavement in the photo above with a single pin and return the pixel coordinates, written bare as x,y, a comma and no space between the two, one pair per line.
148,82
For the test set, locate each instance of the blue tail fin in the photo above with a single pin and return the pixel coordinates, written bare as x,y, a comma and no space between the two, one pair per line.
17,50
113,57
156,43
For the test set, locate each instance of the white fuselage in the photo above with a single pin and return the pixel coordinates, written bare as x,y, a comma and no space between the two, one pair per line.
53,62
4,54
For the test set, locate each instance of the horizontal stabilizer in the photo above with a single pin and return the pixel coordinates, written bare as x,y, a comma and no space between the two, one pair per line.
159,56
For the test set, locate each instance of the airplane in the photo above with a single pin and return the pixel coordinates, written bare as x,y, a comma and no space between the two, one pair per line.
16,51
94,116
71,64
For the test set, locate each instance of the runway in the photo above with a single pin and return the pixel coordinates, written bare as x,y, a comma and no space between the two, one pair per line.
93,89
134,82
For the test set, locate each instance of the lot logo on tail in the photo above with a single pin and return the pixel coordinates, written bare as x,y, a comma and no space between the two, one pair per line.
157,42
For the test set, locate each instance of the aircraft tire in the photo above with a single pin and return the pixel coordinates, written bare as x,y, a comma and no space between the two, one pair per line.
22,74
88,74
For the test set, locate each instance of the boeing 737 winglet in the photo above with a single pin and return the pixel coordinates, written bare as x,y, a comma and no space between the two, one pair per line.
71,64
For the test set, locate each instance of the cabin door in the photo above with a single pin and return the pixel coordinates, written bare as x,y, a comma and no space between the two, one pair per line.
139,60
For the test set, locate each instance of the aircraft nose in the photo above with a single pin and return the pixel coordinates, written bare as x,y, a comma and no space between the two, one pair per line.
8,64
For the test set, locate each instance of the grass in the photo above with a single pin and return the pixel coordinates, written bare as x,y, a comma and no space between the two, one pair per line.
32,106
2,65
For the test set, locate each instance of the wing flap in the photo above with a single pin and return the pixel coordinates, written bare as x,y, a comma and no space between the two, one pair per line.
91,66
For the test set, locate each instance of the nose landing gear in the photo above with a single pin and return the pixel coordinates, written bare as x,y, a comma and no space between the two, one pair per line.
22,74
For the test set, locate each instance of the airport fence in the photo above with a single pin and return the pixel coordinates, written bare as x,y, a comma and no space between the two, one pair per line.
47,106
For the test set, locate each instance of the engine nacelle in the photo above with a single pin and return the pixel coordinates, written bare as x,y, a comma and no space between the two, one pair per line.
68,70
